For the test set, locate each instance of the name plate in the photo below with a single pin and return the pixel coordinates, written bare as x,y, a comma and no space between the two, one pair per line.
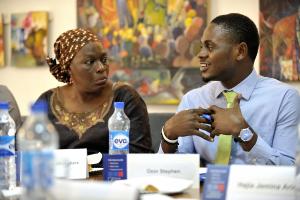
261,182
184,166
71,163
297,182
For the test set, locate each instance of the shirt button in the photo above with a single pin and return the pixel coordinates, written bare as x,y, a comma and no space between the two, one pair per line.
254,160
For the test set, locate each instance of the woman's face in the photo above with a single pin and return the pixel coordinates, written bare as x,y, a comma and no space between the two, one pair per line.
89,68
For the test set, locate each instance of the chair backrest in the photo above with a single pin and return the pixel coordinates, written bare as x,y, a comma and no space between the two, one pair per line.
157,120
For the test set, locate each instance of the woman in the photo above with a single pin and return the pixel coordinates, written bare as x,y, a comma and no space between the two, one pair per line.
80,109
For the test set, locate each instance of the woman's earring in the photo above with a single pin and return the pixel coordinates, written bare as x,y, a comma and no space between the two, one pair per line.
70,79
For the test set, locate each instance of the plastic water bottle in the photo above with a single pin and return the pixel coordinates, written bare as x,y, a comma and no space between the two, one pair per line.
119,125
37,139
7,149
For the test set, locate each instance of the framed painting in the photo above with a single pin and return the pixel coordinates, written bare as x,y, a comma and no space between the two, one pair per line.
280,39
29,36
1,42
156,41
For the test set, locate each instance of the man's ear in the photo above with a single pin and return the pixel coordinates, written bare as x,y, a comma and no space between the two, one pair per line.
242,51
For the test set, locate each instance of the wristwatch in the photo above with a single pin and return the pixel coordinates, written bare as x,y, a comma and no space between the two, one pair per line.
245,135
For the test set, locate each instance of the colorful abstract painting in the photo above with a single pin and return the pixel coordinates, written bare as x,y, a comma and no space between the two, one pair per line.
29,36
1,42
150,39
280,39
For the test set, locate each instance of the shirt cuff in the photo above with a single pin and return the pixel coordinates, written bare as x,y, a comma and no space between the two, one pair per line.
160,149
262,153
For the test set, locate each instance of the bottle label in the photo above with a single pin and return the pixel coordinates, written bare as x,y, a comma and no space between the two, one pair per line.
7,146
37,169
120,140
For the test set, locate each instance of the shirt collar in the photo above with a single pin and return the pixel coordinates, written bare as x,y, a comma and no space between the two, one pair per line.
245,87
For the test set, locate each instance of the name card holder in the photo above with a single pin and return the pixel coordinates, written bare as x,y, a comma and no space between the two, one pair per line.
71,163
247,182
261,182
185,166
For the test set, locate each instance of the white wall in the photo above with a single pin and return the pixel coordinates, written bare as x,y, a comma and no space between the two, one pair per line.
28,84
249,8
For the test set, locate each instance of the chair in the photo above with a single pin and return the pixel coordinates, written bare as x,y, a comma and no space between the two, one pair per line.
157,120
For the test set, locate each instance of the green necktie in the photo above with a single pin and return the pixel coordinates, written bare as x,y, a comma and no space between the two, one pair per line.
224,145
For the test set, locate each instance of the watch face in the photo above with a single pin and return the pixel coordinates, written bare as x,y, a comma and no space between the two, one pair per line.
246,134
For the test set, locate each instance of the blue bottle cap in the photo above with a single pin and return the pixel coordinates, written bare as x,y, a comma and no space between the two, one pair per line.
39,106
4,105
119,105
207,117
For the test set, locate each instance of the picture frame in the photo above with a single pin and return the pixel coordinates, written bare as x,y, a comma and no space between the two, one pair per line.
152,44
2,59
279,23
29,38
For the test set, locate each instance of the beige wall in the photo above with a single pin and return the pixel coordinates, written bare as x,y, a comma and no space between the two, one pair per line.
28,84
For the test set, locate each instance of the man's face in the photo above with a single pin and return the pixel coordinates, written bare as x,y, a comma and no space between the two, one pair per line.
217,61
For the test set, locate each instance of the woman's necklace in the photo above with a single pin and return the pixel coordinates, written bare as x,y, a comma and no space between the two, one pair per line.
78,121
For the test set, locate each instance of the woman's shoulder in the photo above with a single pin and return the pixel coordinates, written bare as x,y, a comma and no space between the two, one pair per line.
46,95
124,90
120,87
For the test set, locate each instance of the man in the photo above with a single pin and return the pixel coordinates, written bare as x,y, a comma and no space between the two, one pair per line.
6,95
263,118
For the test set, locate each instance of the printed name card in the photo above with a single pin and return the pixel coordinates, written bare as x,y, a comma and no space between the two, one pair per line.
184,166
115,167
71,163
261,182
216,181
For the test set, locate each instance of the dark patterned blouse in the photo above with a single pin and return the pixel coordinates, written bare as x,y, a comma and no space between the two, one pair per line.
90,129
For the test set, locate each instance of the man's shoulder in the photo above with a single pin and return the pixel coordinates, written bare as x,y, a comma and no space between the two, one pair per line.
3,88
272,88
209,87
5,93
202,96
271,83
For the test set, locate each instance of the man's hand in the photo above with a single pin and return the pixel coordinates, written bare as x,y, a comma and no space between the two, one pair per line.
188,122
228,121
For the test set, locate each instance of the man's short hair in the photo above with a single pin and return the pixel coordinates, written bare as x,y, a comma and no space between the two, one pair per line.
241,29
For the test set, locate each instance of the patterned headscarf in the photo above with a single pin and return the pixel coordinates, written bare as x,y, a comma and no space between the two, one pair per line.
65,48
